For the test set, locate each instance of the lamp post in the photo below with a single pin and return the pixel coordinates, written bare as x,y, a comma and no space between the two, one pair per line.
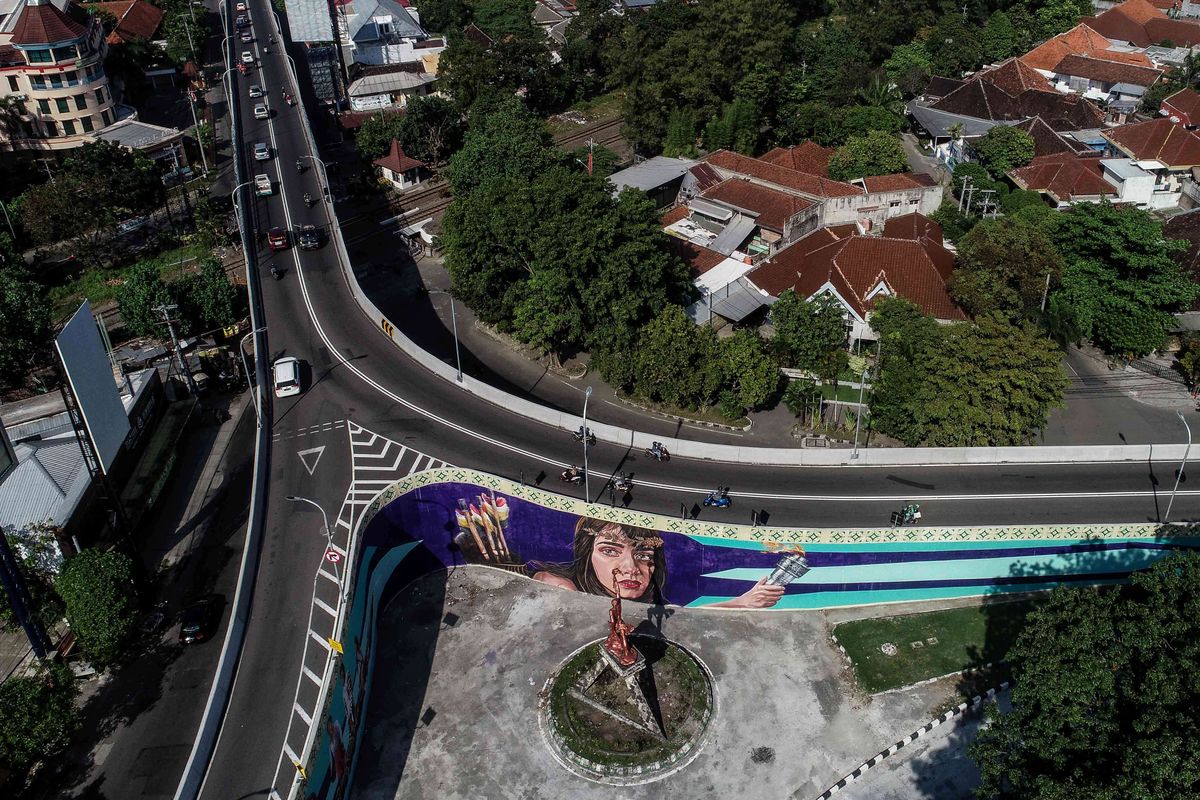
324,520
587,494
1182,465
454,325
246,369
10,225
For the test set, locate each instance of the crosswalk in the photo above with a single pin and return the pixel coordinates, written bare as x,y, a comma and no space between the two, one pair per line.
376,463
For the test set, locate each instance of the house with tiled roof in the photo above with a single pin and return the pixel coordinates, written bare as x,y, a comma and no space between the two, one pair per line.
52,66
1109,82
1168,151
1141,24
909,260
136,19
399,169
381,32
1080,41
1182,108
1012,92
1066,178
864,202
1047,141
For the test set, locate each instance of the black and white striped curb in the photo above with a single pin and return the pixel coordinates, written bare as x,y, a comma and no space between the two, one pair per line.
907,740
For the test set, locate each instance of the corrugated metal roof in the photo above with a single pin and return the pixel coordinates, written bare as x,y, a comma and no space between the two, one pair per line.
310,21
46,485
736,232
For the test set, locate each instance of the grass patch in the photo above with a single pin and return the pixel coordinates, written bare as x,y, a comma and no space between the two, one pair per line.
602,107
966,637
100,285
846,394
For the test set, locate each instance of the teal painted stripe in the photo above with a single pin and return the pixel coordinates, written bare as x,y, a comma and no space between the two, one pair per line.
819,600
966,569
966,544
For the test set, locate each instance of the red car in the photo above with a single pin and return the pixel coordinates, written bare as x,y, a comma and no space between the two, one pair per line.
277,239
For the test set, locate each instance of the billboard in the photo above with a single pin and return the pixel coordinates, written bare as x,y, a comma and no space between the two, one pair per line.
89,373
8,456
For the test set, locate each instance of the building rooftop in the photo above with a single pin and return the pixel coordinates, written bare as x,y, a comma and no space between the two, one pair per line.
1158,140
397,160
310,21
136,135
1013,92
1065,177
651,173
772,207
136,19
42,22
1106,71
1080,40
730,163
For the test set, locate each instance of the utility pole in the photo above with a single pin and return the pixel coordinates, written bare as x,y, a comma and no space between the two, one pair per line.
591,143
165,311
1045,291
195,121
966,181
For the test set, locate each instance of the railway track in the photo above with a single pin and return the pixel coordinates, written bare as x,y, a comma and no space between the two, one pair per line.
603,132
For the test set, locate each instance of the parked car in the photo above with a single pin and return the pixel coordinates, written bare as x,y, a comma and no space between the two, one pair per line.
242,21
262,186
256,90
262,151
309,237
261,111
199,620
247,57
247,36
277,239
285,375
240,7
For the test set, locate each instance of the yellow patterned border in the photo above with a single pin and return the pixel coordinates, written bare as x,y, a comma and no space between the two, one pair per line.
773,536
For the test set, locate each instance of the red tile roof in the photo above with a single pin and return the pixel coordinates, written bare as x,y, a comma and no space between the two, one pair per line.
773,207
45,24
1083,41
1160,140
898,182
808,156
397,160
1064,176
706,177
1046,140
913,226
1184,104
136,19
674,215
856,265
1142,24
699,259
795,180
1106,71
1013,91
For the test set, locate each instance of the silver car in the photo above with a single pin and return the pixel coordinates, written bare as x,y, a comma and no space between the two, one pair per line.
262,151
256,90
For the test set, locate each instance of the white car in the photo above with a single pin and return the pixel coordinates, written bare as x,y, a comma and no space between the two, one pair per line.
285,374
256,90
247,57
261,111
262,152
247,36
240,7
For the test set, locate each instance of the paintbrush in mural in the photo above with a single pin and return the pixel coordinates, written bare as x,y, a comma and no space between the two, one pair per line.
462,516
486,525
496,510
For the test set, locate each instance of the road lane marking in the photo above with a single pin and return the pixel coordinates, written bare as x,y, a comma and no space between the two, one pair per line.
316,453
328,609
333,578
304,715
321,640
312,676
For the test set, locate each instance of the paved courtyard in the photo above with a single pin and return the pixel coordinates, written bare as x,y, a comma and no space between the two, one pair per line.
453,707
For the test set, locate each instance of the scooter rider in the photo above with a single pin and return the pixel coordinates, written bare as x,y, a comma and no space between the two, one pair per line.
308,201
299,165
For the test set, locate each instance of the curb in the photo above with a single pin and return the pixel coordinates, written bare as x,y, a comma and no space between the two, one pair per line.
876,760
678,418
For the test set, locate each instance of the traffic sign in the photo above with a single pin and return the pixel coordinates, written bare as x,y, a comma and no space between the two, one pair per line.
332,556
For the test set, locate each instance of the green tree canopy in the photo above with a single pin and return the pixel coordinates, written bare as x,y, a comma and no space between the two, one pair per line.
503,140
954,45
207,300
810,334
1120,280
1004,265
443,16
25,324
675,361
1104,703
373,139
909,67
37,717
97,588
999,37
737,128
142,292
875,153
1004,148
431,129
906,338
502,18
751,372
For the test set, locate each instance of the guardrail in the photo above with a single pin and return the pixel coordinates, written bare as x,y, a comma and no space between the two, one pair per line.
205,742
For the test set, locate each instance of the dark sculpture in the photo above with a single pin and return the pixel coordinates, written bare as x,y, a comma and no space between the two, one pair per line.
618,629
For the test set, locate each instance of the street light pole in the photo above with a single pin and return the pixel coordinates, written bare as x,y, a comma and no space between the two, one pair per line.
862,382
587,493
454,325
1182,465
324,520
246,368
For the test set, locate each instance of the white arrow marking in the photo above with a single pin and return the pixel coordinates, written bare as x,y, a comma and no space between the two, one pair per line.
312,451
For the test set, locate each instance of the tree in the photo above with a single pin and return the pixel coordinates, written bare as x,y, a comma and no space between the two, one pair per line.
675,362
980,182
373,139
97,588
810,334
999,37
431,130
1120,278
207,300
752,373
25,324
1104,700
1056,16
988,384
1004,148
680,138
1005,265
503,18
955,224
906,339
443,16
883,94
736,129
211,218
604,161
909,67
37,716
502,140
954,45
835,57
142,292
876,153
861,120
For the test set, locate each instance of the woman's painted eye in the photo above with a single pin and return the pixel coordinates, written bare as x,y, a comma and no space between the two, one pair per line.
611,552
645,555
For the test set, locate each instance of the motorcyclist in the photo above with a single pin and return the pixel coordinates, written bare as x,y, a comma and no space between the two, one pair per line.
271,38
299,165
275,273
572,473
308,201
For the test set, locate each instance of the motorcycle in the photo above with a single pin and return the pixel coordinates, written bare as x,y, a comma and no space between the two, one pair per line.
658,452
719,498
308,201
579,435
623,483
287,98
906,516
573,475
299,166
266,50
275,273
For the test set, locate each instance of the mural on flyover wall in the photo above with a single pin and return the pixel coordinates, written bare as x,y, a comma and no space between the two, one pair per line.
447,517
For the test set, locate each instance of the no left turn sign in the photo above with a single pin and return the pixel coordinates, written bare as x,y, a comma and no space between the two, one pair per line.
332,556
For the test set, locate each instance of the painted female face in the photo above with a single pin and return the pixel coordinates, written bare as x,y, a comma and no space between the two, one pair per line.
634,563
